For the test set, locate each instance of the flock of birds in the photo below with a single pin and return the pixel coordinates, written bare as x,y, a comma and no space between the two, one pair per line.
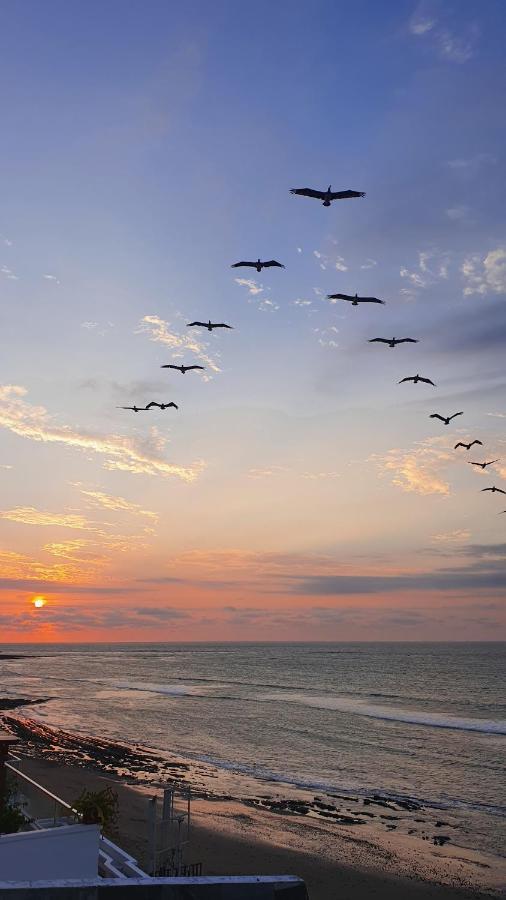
327,197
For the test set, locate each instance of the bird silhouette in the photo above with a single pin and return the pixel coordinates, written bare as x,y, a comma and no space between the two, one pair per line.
161,405
467,446
392,342
354,299
182,369
415,379
134,408
494,489
258,265
209,325
483,465
445,419
327,196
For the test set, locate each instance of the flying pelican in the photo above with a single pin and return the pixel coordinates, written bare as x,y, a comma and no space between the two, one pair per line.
161,405
209,325
134,408
392,342
494,490
327,196
467,446
445,419
415,379
258,265
182,369
483,465
354,299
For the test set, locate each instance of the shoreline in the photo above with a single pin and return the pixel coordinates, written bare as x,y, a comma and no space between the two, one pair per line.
366,837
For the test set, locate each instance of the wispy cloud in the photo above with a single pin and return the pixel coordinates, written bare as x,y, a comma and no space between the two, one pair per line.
459,214
108,501
51,278
459,536
28,515
472,163
417,470
128,454
251,284
327,336
369,264
325,260
487,275
8,273
450,45
162,332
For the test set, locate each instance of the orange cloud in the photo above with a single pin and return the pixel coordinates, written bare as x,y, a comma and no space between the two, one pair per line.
28,515
127,454
418,470
107,501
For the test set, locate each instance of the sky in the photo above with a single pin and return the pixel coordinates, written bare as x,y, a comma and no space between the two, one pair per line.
299,492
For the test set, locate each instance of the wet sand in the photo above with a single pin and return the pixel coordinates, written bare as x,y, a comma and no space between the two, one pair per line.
340,848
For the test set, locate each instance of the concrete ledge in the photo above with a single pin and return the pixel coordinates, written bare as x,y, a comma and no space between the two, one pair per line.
226,887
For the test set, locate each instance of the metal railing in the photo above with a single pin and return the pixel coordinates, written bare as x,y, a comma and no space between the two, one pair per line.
43,809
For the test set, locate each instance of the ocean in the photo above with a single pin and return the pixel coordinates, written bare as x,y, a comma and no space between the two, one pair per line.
425,722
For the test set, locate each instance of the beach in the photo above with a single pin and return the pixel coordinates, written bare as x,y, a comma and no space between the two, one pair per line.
349,859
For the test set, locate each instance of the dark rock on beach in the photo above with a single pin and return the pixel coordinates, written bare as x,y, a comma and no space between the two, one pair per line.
14,702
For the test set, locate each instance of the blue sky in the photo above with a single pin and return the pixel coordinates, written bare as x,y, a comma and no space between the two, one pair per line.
145,147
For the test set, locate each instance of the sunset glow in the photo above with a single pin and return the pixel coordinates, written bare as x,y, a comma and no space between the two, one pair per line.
300,488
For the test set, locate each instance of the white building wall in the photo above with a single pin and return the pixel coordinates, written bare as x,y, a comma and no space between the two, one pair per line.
70,851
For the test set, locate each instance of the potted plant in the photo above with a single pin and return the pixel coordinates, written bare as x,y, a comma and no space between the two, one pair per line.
98,808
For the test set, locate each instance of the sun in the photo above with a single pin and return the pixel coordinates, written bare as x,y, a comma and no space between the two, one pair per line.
39,602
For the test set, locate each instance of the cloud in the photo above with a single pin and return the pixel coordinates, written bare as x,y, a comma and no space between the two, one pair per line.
449,45
268,305
472,163
140,456
251,284
369,264
89,325
268,472
51,278
338,262
8,273
420,26
453,580
76,618
417,470
300,302
326,336
484,276
160,331
28,515
446,538
432,267
458,213
108,501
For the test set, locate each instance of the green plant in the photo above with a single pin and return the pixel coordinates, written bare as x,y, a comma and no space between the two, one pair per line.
98,808
11,818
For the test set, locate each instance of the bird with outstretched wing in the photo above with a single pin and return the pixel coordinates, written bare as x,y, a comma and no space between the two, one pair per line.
134,408
494,489
182,369
209,325
258,265
327,196
467,446
354,299
392,342
484,464
162,405
445,419
415,379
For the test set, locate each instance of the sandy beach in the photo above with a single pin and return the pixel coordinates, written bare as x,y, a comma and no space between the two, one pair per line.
334,856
